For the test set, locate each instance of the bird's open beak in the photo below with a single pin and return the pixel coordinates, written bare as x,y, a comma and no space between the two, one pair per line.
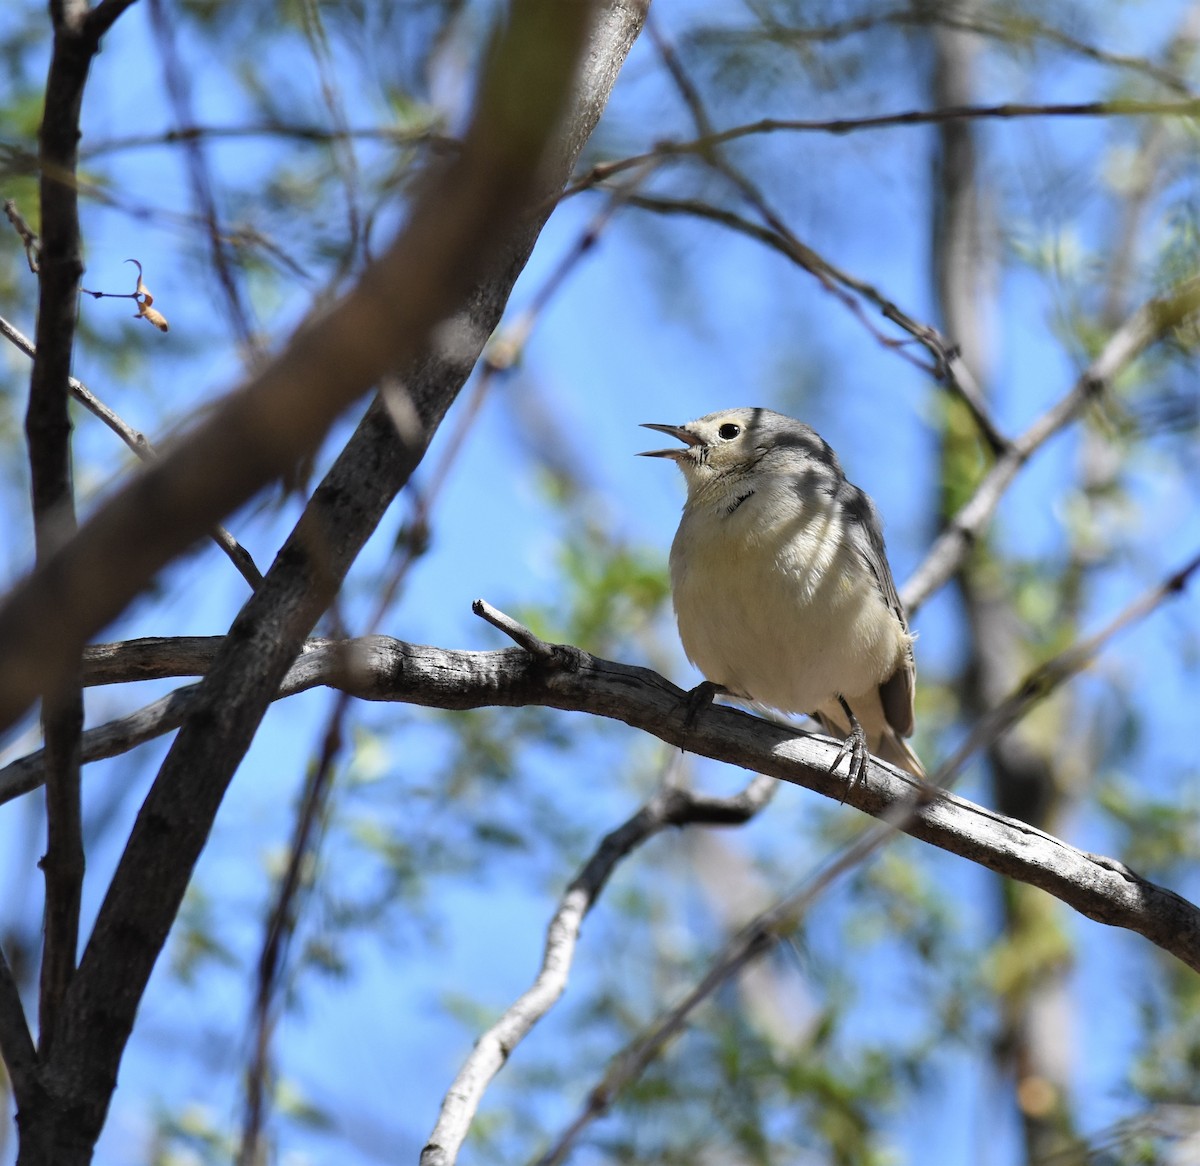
685,435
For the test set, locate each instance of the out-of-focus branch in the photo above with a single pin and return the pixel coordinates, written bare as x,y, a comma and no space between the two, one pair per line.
671,806
263,429
1005,31
140,444
1148,324
467,238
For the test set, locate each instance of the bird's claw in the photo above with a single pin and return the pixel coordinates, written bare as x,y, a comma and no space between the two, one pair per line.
854,746
699,698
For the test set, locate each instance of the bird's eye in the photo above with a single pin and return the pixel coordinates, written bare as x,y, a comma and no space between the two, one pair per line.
728,431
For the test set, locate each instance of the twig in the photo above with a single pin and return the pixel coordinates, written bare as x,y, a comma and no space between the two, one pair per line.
317,135
175,79
517,632
140,444
671,806
776,33
28,235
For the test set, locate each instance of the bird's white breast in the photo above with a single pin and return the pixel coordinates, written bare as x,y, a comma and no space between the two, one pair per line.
774,602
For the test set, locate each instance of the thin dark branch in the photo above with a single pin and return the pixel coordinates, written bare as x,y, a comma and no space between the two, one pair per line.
16,1042
317,135
947,364
175,80
671,806
1005,111
48,436
140,444
773,32
29,239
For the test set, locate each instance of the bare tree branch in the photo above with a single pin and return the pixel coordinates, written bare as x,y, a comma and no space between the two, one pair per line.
48,436
558,676
1008,32
671,806
140,444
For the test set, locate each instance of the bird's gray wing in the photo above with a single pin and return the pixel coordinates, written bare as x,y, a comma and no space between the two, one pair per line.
864,527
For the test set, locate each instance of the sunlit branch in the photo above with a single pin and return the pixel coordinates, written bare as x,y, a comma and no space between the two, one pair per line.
558,676
761,934
140,444
671,806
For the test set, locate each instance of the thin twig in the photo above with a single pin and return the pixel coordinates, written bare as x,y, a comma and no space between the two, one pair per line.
948,366
672,148
28,235
314,134
773,32
140,444
175,79
670,806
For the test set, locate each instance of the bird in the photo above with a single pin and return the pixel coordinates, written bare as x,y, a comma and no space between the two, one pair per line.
781,586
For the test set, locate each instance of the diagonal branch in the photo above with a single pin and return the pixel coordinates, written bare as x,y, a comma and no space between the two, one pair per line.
671,806
1147,325
263,429
139,443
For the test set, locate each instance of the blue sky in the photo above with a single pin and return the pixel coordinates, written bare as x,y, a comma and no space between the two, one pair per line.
621,344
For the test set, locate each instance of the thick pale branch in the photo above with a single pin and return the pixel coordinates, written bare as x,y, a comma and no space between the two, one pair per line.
383,669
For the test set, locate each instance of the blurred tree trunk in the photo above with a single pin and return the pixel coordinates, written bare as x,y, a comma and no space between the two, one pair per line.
1032,957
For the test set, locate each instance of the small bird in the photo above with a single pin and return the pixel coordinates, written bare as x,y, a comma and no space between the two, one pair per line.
781,583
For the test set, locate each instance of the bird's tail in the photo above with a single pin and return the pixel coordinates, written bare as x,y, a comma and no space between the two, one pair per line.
895,749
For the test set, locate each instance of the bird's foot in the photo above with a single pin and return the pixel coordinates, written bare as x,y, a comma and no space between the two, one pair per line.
699,698
854,746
